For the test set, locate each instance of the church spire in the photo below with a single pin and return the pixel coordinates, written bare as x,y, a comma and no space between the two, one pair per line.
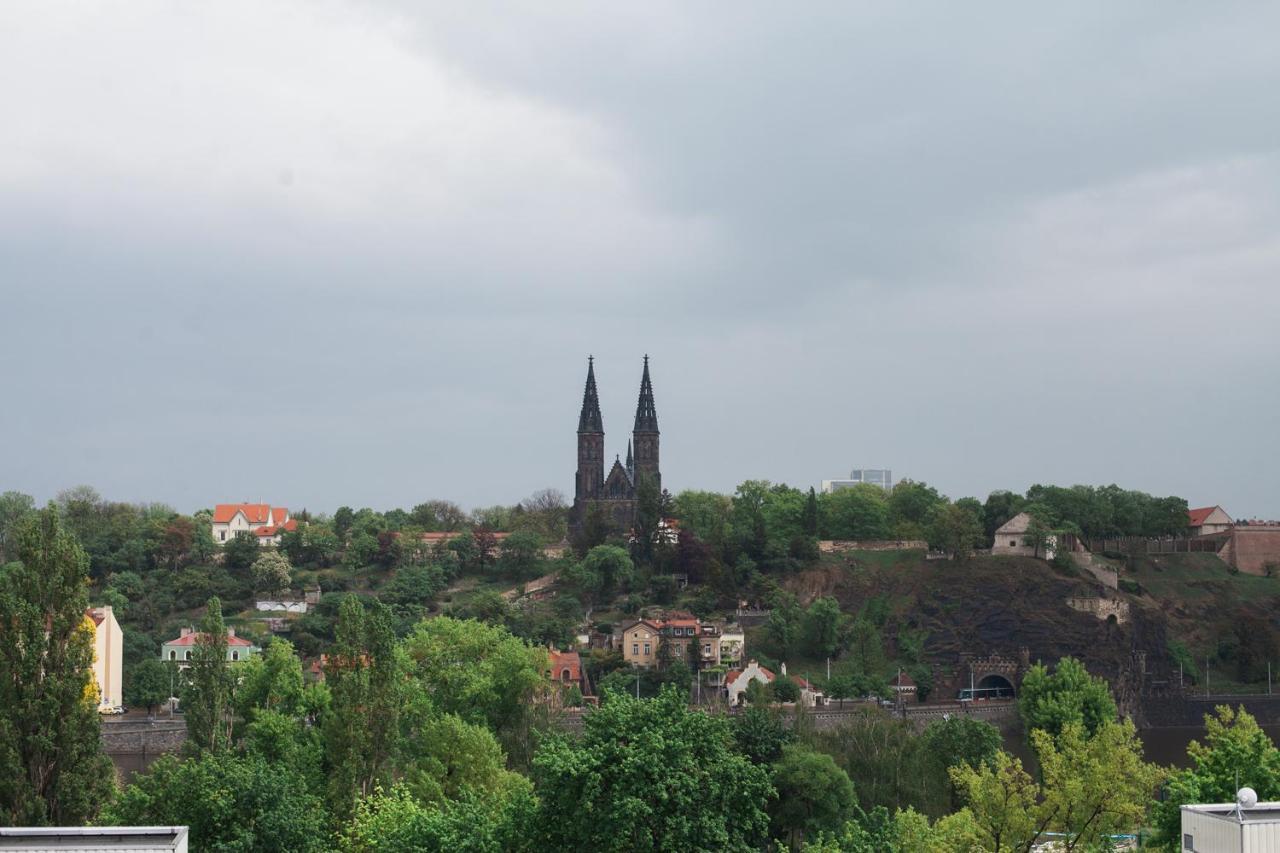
590,420
646,412
631,462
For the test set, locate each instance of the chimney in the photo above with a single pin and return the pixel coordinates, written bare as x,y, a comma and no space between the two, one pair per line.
186,631
784,668
231,632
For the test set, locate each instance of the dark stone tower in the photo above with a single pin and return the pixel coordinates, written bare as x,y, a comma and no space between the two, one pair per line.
590,480
645,434
613,495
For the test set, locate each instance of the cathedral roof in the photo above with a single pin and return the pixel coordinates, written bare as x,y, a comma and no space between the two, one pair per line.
646,412
590,420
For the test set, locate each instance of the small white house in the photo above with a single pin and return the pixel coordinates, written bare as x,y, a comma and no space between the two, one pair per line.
1011,538
1231,827
95,839
1207,520
737,680
262,520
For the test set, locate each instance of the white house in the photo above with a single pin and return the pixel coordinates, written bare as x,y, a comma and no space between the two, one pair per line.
1011,538
737,680
1246,825
262,520
181,648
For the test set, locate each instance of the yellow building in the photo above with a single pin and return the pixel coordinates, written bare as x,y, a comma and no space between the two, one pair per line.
108,656
640,642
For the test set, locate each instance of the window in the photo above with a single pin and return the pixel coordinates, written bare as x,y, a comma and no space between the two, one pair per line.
222,536
646,648
1188,841
186,655
173,655
235,655
706,648
1013,543
635,648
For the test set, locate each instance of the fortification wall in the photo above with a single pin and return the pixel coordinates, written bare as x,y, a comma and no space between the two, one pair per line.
839,546
1101,608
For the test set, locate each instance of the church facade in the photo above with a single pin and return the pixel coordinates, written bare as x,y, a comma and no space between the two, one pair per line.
614,495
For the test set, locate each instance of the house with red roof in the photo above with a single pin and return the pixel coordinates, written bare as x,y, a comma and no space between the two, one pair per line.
1207,520
564,667
182,648
736,682
264,521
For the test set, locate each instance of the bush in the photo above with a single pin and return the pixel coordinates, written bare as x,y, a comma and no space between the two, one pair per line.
1130,586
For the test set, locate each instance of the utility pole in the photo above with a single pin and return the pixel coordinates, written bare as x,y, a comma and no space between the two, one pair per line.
1268,678
637,684
828,668
1206,675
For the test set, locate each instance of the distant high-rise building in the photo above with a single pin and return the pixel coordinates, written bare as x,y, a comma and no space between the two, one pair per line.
881,477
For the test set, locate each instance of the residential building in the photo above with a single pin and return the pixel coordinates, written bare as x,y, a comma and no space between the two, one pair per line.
680,633
181,648
262,520
1207,520
564,667
108,657
732,643
95,839
736,681
881,477
1246,825
640,641
1011,539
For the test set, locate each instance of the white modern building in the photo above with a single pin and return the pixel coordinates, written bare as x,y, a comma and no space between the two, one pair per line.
881,477
1244,827
95,839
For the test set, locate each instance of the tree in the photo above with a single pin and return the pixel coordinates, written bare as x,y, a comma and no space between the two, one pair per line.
956,530
14,506
342,521
150,684
271,572
809,521
1004,802
240,552
760,734
207,697
363,671
813,794
866,647
479,672
785,690
230,803
271,681
52,768
857,513
397,822
447,758
955,741
887,759
1094,787
999,508
1049,701
649,775
612,565
521,556
822,627
1235,753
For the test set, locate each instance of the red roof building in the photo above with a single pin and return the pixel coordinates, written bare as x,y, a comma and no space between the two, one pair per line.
262,520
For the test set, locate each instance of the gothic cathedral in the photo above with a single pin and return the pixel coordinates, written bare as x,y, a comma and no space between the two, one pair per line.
615,495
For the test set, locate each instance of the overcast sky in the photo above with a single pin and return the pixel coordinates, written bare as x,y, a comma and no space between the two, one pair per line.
357,253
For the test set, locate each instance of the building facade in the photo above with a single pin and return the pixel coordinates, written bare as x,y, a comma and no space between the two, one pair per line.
881,477
1207,520
262,520
613,496
108,657
640,641
1011,539
182,648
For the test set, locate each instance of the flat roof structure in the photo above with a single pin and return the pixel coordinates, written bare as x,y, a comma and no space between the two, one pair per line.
1227,828
94,839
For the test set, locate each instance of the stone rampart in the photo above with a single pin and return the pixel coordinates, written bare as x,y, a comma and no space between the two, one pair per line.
840,546
1102,608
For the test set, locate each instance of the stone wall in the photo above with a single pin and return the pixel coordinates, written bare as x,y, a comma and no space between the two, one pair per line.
133,744
1101,608
1251,548
839,546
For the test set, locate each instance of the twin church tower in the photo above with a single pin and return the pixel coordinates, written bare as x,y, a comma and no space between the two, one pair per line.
615,495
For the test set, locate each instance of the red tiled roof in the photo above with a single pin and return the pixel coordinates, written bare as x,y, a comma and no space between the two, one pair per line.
276,529
96,614
194,637
1197,517
255,513
563,659
279,514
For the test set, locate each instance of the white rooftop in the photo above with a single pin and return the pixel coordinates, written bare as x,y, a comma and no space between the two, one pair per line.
94,839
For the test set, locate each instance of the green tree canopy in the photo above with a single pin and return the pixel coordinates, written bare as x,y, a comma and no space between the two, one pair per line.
813,794
649,775
52,768
150,683
232,804
271,571
1049,700
1235,753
